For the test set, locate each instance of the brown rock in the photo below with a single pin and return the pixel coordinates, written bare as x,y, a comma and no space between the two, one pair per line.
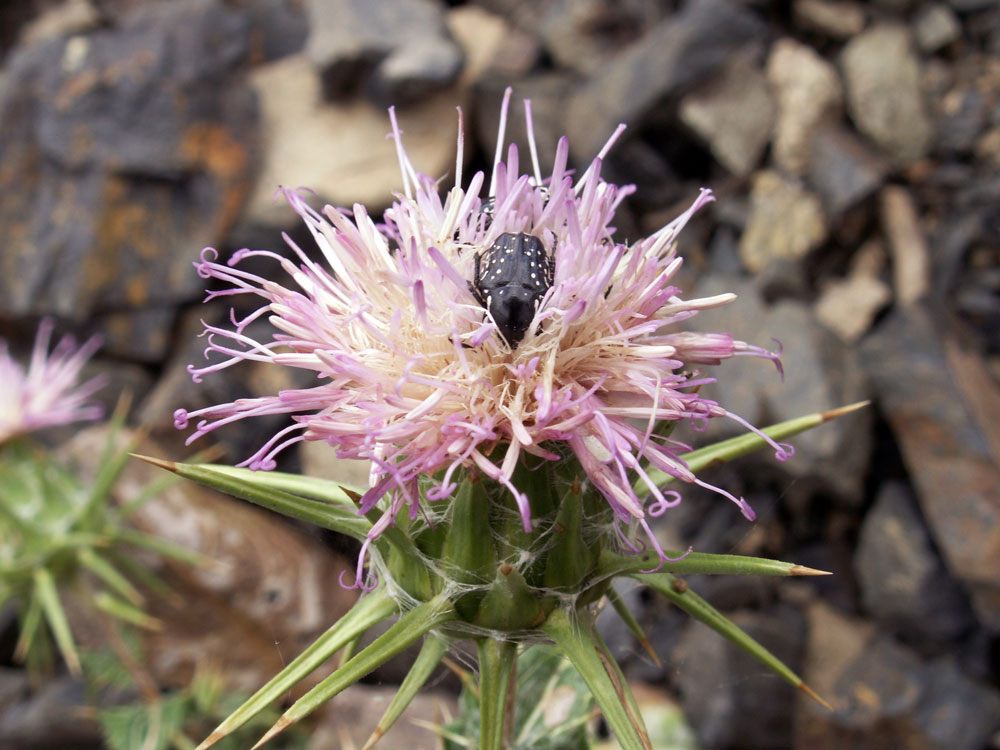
953,469
123,152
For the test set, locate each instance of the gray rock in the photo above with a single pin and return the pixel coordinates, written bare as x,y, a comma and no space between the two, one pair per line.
48,717
674,55
883,695
820,373
955,712
808,93
837,19
903,581
583,35
786,221
125,151
935,26
138,335
733,114
882,77
952,467
881,686
721,685
968,6
963,114
842,169
278,28
396,51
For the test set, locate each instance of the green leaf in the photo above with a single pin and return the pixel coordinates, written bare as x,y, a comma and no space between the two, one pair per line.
509,604
125,612
700,563
55,616
368,611
570,558
547,718
142,726
618,677
430,656
468,547
161,546
630,622
678,592
575,639
296,484
31,622
727,450
469,555
110,575
148,492
109,468
410,627
316,512
496,660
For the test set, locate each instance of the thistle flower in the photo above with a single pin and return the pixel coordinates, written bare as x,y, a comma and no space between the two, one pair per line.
416,374
47,393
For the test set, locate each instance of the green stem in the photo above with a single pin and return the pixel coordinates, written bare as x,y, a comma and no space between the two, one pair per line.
496,662
576,640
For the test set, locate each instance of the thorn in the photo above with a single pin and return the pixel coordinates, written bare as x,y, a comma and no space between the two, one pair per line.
211,740
168,465
279,726
644,642
812,694
842,410
73,664
376,736
802,570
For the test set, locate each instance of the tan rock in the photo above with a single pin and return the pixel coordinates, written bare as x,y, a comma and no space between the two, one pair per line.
808,93
911,261
848,306
786,221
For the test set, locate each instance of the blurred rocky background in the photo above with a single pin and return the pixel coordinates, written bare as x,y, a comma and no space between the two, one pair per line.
855,151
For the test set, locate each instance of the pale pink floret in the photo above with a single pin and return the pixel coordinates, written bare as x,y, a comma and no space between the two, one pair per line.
47,393
412,374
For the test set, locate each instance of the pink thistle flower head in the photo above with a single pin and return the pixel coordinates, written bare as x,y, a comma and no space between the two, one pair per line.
47,393
423,368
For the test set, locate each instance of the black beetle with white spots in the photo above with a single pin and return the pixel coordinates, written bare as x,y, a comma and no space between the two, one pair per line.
511,277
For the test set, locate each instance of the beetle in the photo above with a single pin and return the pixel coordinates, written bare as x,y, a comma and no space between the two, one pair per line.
511,277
